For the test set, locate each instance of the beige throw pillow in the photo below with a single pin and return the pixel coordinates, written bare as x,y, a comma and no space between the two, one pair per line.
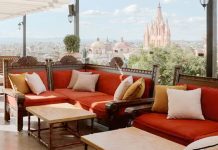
184,104
122,88
35,83
86,82
136,90
74,78
161,100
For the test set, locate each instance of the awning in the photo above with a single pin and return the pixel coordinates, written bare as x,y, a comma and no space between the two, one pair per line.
14,8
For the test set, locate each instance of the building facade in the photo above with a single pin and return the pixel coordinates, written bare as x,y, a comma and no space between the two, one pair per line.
157,34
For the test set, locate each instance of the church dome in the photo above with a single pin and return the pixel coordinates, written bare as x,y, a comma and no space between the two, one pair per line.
97,45
122,46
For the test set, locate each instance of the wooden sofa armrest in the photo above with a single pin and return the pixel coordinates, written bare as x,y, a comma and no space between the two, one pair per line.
115,106
20,97
141,108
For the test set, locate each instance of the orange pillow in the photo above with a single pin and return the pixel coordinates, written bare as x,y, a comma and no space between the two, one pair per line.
19,83
161,99
135,91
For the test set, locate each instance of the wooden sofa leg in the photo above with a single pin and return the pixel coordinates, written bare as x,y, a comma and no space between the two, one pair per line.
19,119
7,112
7,116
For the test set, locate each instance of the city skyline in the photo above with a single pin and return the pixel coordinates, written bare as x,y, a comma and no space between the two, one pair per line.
113,20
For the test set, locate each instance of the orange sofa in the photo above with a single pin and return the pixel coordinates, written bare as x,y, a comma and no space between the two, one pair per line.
56,77
186,131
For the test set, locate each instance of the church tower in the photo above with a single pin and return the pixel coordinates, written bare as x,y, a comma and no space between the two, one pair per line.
157,34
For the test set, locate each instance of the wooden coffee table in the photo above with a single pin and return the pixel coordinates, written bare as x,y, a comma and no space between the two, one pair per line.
58,113
128,139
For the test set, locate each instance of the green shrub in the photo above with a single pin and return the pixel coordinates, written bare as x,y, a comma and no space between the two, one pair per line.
167,58
72,43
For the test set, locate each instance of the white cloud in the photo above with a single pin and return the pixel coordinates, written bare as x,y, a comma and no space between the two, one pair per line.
94,13
131,9
168,1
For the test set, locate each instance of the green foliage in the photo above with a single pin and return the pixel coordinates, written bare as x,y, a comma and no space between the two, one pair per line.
72,43
167,58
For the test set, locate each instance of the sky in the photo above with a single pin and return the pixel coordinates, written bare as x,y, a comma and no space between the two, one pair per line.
113,19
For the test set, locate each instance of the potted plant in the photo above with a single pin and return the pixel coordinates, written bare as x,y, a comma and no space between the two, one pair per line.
72,43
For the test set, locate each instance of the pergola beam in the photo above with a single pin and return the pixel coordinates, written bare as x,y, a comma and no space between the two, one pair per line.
13,8
211,66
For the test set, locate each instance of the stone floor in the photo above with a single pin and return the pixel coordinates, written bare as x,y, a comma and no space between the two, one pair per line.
10,139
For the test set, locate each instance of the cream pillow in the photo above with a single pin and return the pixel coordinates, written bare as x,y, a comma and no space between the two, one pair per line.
122,88
208,143
86,82
184,104
161,100
74,78
35,83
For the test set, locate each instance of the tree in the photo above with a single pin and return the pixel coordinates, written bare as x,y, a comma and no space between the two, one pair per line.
167,58
72,43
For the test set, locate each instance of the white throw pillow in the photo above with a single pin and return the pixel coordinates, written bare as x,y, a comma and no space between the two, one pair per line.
86,82
74,78
35,83
184,104
122,88
208,143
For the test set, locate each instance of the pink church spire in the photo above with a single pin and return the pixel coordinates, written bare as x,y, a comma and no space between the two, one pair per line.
158,33
159,16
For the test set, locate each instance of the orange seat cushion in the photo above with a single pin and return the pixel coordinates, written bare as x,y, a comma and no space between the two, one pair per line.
73,95
206,135
181,131
95,104
48,97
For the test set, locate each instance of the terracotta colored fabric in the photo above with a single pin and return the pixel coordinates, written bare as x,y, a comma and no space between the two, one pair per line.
95,104
48,97
209,100
182,131
206,135
161,98
107,82
73,95
42,75
61,78
11,100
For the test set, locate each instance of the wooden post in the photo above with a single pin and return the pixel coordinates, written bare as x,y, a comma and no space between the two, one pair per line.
212,39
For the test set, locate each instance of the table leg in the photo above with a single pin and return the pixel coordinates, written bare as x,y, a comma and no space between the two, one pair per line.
77,126
39,128
28,123
50,136
92,125
86,147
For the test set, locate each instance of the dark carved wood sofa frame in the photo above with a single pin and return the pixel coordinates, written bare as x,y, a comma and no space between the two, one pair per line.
180,78
30,64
